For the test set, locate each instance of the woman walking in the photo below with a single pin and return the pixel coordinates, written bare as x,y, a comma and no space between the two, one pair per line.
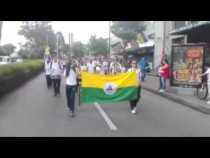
133,103
56,71
71,84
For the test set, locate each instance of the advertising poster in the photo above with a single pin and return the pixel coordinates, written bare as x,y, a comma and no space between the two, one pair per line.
187,65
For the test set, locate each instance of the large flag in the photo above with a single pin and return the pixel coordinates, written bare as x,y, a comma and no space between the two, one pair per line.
108,88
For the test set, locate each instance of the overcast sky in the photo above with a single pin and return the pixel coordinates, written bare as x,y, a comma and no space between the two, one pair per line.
82,30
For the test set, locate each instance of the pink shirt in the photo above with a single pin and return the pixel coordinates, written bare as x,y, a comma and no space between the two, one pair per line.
165,71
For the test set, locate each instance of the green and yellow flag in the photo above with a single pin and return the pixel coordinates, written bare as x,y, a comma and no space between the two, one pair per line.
108,88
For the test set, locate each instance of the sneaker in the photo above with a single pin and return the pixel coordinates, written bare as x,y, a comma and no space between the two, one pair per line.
208,102
133,111
161,90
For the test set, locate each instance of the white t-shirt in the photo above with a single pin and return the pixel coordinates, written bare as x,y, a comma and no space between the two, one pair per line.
55,69
83,68
98,69
208,74
47,68
123,69
90,67
71,79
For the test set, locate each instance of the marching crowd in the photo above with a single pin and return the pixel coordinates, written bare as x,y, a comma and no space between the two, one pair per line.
57,68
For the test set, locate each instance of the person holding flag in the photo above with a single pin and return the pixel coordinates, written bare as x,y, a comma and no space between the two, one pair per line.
133,103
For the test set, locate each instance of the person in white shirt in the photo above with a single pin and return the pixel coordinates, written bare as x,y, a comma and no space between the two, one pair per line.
83,67
47,71
208,81
71,84
115,67
133,103
90,67
56,71
105,67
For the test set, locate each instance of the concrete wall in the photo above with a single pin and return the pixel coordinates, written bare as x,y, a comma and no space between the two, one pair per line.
163,40
159,31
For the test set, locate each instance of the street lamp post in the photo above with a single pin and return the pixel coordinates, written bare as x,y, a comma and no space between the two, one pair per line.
57,43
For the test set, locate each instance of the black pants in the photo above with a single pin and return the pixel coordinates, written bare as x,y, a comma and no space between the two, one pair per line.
70,95
133,103
56,85
49,81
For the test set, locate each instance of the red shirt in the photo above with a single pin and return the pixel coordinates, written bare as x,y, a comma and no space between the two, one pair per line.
165,71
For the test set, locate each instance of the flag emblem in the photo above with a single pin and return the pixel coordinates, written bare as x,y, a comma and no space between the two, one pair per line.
110,88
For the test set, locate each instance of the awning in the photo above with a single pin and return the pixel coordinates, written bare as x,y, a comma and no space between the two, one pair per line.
147,44
190,28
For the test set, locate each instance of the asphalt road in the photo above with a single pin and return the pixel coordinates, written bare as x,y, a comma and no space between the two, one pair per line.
31,110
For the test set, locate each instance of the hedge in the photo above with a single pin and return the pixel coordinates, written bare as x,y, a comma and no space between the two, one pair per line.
14,75
26,66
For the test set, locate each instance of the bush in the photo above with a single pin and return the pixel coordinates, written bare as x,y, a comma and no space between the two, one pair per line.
24,67
14,75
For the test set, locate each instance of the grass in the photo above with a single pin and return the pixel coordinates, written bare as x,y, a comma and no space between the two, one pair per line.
25,66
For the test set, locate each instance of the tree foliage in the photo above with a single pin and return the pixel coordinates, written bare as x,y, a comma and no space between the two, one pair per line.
98,46
79,49
127,30
39,34
7,49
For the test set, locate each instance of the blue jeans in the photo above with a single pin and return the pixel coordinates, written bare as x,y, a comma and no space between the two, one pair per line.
162,83
143,75
70,95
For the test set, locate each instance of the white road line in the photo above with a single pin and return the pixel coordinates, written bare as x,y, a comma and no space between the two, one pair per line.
106,118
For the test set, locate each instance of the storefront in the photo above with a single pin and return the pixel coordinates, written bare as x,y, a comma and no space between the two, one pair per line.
138,53
197,33
186,75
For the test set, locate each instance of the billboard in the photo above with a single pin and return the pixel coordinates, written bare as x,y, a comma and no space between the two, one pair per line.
187,64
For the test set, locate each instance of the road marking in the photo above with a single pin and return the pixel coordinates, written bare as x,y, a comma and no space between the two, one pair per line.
105,116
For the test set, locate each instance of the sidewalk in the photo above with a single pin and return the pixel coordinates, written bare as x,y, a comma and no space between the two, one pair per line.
152,84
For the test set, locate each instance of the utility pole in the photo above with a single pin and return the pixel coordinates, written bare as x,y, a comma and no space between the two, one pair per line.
72,42
164,38
1,26
69,44
57,43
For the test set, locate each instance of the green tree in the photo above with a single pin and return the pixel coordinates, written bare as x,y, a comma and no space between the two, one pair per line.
98,46
7,49
79,49
24,53
39,34
127,30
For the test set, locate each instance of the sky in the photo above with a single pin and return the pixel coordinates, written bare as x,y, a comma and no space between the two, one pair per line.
82,30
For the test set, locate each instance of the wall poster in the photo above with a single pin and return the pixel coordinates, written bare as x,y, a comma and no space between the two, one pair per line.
187,64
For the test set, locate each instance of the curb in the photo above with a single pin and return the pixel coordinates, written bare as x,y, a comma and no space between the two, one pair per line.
179,100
